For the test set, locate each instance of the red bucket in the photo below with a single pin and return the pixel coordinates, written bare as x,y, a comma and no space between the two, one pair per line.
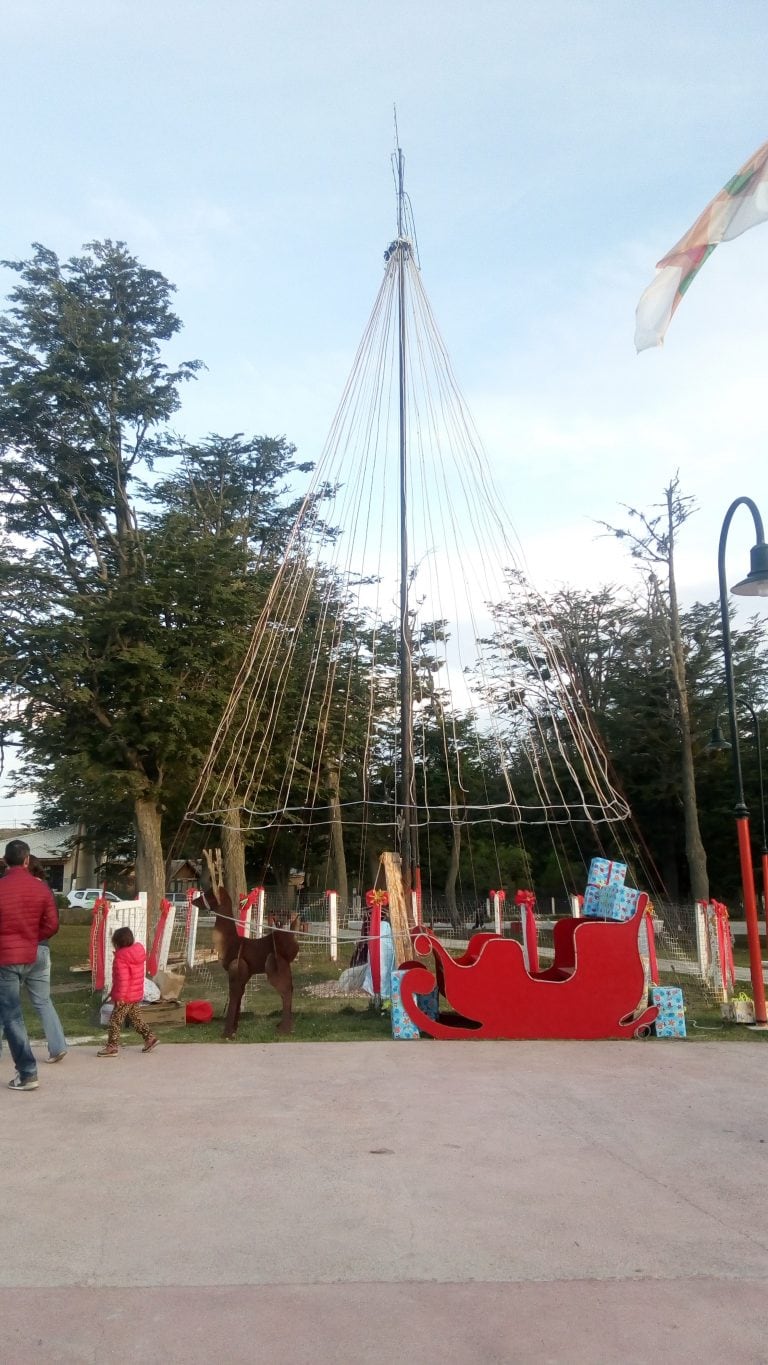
199,1011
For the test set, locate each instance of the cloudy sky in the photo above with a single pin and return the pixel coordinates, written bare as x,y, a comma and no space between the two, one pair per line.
555,149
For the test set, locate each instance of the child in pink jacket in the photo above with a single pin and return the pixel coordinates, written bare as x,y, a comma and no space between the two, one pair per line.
128,969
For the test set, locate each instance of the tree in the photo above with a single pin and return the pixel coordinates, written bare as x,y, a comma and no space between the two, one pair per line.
615,651
83,392
211,538
652,542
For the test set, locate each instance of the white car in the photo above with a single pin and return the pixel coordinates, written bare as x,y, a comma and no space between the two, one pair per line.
88,896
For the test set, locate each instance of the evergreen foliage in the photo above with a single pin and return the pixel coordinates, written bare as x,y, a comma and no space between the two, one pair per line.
133,565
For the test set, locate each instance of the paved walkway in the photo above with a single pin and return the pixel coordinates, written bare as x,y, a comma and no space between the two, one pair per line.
457,1202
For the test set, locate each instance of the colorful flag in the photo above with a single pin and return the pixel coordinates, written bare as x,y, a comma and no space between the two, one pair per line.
741,204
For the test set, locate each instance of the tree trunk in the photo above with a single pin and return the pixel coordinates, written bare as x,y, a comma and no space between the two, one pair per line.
150,864
694,848
233,855
337,836
452,874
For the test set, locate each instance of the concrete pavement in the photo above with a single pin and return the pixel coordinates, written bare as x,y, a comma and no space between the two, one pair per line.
358,1202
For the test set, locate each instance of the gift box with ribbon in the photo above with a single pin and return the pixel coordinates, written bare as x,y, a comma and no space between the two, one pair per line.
591,901
403,1026
670,1021
604,872
617,902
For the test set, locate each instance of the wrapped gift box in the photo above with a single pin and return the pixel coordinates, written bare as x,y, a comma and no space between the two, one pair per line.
402,1024
430,1004
670,1022
618,902
603,872
610,902
591,903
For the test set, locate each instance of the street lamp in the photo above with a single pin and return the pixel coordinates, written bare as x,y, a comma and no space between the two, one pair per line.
754,585
764,846
719,744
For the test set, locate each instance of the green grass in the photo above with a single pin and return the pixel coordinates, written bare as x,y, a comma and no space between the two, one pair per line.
315,1020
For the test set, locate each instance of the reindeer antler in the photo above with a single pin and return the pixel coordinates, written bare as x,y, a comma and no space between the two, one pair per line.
213,862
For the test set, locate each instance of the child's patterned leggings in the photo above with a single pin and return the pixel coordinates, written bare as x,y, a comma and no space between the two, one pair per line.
125,1009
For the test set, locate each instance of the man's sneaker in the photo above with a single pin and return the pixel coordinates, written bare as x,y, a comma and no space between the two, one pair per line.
150,1043
58,1058
31,1083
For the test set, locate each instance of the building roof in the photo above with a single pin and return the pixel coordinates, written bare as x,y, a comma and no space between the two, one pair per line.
178,863
43,843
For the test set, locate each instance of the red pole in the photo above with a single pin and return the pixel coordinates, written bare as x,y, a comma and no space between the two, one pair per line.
750,912
765,890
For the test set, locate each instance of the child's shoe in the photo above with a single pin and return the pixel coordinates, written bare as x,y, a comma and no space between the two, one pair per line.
151,1042
109,1051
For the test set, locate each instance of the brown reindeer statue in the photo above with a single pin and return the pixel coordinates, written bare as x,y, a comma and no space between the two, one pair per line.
243,958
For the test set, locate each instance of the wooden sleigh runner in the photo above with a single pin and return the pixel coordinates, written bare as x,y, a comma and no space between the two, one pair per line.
595,987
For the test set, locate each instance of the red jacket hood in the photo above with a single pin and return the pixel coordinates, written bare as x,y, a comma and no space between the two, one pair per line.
136,953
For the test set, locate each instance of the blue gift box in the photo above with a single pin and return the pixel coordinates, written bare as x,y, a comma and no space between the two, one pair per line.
591,904
402,1025
603,872
670,1022
618,902
610,902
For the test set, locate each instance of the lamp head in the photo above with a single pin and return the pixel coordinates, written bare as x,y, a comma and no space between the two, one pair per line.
756,582
717,743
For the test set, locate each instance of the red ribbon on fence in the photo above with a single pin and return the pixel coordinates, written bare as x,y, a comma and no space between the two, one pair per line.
531,936
724,945
525,898
374,945
154,956
246,903
97,947
653,965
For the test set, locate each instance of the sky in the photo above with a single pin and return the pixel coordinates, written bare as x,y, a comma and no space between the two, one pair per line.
554,151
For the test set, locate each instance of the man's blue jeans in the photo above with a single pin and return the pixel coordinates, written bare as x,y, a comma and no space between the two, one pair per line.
38,983
12,1019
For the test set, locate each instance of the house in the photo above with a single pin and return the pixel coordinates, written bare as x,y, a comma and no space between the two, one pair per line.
183,873
67,859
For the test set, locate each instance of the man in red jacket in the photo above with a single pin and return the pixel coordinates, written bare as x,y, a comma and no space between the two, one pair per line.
28,915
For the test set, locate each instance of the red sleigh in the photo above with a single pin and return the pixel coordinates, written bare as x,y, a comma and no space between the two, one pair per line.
592,989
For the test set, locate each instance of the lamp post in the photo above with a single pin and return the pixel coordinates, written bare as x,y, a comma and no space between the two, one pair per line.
719,744
754,585
764,845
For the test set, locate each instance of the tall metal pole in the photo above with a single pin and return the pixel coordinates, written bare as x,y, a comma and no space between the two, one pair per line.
764,847
741,812
409,834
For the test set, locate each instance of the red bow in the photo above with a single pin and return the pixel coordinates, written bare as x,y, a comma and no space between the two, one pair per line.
376,898
501,893
525,898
